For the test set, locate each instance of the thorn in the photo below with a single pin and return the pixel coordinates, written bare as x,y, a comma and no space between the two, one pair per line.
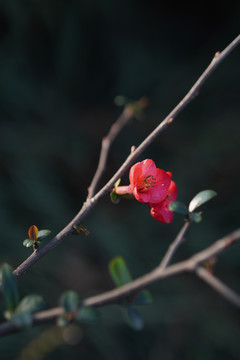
133,148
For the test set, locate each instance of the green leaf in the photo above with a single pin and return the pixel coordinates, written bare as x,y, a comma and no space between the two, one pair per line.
31,304
201,198
178,207
43,233
134,318
117,183
115,199
9,287
87,315
196,217
28,243
119,271
62,320
143,298
69,301
22,320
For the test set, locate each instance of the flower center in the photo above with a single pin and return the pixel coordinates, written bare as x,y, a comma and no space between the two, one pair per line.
145,183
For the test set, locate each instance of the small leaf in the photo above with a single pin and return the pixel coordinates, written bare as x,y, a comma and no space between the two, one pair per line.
134,318
33,233
81,228
113,196
9,287
7,314
62,320
143,298
31,304
43,233
22,320
117,183
201,198
28,243
178,207
196,217
69,301
119,271
87,315
115,199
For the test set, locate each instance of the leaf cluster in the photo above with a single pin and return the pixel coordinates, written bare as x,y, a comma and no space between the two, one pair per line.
19,312
201,198
121,276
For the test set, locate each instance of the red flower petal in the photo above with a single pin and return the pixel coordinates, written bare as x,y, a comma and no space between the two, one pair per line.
161,213
141,170
149,184
161,210
172,192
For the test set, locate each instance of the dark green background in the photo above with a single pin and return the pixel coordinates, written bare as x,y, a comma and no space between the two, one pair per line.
61,65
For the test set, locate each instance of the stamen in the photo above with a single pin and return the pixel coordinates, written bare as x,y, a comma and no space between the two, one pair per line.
146,183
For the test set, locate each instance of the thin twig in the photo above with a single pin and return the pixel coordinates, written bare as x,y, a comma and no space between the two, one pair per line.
115,129
157,274
39,318
115,295
218,285
91,203
174,246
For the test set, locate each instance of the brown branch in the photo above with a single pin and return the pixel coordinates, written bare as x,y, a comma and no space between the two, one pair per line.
157,274
115,129
218,285
114,296
91,203
174,246
42,317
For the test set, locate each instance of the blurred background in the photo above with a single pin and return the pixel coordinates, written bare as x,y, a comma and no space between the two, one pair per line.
62,63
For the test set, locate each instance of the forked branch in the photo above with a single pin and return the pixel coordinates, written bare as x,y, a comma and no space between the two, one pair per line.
192,265
91,203
115,129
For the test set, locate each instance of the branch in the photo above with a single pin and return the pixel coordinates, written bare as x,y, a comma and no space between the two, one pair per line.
114,296
157,274
91,203
115,129
174,246
218,285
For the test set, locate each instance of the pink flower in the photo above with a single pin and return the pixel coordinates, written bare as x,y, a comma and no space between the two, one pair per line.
148,183
152,186
161,210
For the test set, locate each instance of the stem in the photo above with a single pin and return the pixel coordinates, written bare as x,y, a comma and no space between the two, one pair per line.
174,246
127,114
